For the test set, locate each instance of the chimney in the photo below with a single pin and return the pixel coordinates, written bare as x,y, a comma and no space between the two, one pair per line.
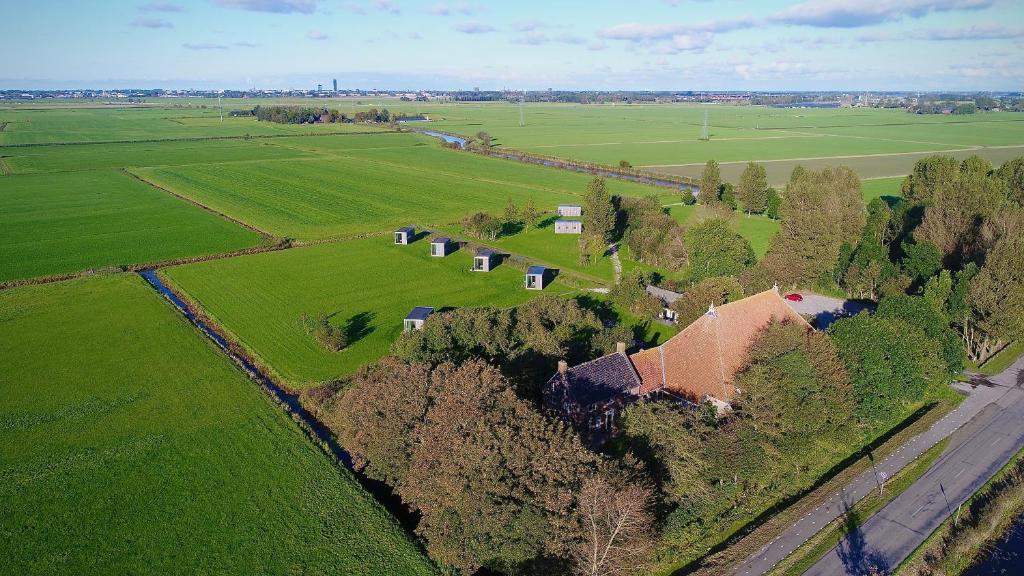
563,366
620,347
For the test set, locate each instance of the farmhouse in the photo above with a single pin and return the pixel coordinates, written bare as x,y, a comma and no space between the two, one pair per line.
440,246
536,278
568,227
415,319
404,235
696,365
484,260
667,297
569,210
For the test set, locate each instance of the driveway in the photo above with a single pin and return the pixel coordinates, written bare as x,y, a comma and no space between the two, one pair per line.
827,310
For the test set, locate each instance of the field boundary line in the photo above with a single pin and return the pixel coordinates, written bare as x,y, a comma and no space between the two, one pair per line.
267,236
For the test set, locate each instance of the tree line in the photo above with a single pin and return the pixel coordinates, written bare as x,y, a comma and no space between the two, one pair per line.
312,115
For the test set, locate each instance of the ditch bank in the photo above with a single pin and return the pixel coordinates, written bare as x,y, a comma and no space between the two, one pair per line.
290,403
676,183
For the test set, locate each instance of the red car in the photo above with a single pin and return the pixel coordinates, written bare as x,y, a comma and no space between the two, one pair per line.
794,297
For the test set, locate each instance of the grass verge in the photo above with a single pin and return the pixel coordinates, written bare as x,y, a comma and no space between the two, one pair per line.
739,545
953,548
818,545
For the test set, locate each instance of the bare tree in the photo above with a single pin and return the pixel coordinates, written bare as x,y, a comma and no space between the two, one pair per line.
617,528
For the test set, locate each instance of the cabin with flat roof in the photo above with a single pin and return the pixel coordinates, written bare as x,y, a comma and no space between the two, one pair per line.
415,319
404,235
484,260
568,227
536,278
570,210
441,246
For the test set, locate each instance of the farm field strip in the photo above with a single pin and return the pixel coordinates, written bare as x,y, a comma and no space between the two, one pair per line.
365,287
52,224
134,420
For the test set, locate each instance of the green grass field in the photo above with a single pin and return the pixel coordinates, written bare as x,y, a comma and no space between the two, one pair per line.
48,124
61,223
372,189
58,158
130,445
758,230
367,286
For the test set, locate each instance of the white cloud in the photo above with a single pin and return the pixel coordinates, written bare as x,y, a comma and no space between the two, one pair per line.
204,46
274,6
161,7
316,35
151,23
473,28
857,13
458,8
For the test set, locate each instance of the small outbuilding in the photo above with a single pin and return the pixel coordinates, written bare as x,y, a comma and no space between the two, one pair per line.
568,227
405,235
667,297
536,278
570,210
440,246
484,260
415,319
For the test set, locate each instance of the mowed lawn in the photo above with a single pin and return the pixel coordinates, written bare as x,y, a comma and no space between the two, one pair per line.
758,230
130,445
67,222
372,190
365,286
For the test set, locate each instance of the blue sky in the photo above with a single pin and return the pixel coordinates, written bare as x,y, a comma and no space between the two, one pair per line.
529,44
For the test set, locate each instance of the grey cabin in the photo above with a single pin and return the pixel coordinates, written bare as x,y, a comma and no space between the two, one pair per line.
568,227
440,247
570,210
667,297
415,319
536,278
404,235
484,260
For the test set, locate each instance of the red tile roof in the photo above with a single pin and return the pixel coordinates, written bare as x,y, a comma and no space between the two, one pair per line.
704,357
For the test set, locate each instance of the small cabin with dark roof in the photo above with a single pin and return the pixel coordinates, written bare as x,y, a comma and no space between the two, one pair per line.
484,260
592,394
536,278
570,210
667,297
568,227
404,235
416,318
440,246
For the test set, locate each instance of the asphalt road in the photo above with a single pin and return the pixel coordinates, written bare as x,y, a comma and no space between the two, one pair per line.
975,453
989,436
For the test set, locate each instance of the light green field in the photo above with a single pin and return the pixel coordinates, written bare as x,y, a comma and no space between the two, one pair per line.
130,445
67,222
372,189
260,299
881,187
59,158
48,124
665,137
758,230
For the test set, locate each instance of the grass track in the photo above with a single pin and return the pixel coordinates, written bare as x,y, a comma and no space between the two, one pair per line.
128,444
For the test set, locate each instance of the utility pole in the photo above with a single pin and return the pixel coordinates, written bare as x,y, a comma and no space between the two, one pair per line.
521,122
704,135
221,104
